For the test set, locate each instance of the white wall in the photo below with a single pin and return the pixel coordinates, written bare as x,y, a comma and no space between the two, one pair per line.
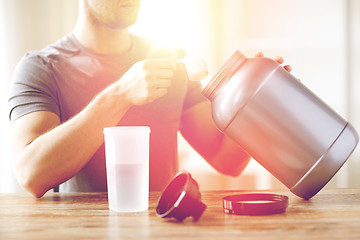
352,73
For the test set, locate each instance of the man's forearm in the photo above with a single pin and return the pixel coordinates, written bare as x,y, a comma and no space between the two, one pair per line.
57,155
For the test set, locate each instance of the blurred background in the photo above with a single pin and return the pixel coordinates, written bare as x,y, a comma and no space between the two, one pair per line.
320,39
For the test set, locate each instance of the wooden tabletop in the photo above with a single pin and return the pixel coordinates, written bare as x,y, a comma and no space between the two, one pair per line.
331,214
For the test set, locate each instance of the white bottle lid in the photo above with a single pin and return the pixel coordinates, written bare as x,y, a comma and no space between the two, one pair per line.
195,66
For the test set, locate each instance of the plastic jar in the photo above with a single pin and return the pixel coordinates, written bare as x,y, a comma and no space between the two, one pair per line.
280,123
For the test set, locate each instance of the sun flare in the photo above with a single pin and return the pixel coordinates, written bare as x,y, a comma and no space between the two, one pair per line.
170,22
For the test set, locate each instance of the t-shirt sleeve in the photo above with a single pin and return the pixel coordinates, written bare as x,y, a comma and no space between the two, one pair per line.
32,87
193,95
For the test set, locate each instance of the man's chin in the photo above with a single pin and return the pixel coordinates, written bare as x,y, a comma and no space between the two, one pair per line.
122,25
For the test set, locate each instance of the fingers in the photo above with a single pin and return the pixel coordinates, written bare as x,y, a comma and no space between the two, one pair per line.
278,59
288,68
157,88
159,83
151,92
259,54
158,77
160,74
149,79
160,63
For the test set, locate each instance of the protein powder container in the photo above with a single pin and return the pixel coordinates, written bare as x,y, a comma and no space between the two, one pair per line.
280,123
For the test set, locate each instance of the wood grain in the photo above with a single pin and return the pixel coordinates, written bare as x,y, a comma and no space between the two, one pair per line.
332,214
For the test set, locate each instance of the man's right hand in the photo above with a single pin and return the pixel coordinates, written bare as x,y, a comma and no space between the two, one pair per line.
147,80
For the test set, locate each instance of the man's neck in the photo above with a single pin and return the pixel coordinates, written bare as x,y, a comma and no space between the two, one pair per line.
101,39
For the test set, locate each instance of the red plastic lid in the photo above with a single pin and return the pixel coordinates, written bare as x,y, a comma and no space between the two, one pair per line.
255,204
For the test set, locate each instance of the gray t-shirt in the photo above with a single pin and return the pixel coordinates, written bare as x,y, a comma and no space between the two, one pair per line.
64,77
